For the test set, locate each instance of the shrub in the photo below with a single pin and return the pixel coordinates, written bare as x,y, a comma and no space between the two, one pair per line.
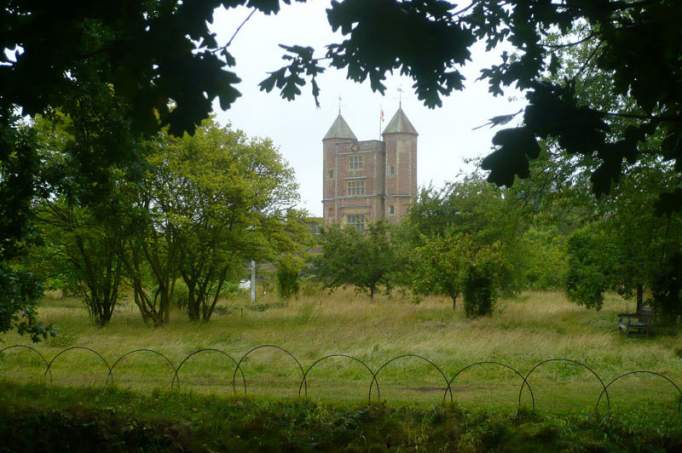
288,273
479,291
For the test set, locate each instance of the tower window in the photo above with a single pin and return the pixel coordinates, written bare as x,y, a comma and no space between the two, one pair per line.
331,173
356,220
355,162
391,210
356,188
391,171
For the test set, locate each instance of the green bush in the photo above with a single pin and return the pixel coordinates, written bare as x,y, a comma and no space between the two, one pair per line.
288,274
479,292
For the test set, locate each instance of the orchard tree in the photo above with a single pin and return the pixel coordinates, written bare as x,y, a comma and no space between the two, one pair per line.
90,247
364,259
484,280
151,251
628,247
474,214
227,200
591,261
81,220
439,266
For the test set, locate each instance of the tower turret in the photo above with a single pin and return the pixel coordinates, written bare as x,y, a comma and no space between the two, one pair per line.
400,138
338,139
339,130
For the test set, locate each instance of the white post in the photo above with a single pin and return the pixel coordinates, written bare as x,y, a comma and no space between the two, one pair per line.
253,281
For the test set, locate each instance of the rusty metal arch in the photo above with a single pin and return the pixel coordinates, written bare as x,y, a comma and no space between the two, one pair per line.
268,346
573,362
629,373
330,356
176,376
30,349
135,351
81,348
491,362
375,379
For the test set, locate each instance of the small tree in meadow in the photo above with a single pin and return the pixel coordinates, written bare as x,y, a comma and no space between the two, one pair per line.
483,280
288,276
364,259
438,266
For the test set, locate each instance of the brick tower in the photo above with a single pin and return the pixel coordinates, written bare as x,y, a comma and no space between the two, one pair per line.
370,180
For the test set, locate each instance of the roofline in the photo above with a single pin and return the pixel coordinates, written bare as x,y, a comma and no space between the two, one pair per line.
399,133
341,139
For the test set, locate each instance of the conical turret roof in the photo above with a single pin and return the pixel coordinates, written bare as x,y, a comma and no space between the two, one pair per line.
399,124
340,129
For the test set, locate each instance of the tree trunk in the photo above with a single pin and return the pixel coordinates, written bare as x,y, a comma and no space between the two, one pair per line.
192,303
640,297
454,301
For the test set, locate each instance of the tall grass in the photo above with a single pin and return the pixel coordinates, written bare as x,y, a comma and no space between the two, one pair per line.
524,331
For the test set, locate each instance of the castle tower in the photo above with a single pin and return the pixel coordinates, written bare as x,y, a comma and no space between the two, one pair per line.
400,140
369,180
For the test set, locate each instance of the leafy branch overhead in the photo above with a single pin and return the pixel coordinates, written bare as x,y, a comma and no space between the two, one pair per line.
161,58
636,44
288,79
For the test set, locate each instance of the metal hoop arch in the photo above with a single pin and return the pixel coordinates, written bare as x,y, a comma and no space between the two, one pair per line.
375,379
491,362
82,348
31,349
267,346
629,373
176,376
330,356
129,353
574,362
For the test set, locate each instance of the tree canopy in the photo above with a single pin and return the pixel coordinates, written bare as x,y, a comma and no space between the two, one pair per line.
164,64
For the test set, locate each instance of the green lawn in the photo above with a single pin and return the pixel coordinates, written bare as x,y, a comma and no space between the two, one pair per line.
524,331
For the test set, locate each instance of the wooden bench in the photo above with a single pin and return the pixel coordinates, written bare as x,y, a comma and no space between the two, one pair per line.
639,323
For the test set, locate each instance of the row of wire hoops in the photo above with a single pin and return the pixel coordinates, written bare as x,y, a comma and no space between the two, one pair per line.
374,374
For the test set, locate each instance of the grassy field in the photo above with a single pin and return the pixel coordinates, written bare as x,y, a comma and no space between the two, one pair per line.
524,331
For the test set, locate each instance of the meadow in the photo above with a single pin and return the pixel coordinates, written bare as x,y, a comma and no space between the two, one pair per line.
523,331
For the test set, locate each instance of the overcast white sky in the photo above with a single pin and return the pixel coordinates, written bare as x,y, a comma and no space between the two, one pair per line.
446,137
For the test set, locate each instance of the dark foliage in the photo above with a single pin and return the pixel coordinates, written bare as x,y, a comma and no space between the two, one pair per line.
479,292
667,289
38,419
637,44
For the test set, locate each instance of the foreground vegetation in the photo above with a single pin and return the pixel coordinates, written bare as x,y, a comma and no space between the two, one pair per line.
524,331
35,418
